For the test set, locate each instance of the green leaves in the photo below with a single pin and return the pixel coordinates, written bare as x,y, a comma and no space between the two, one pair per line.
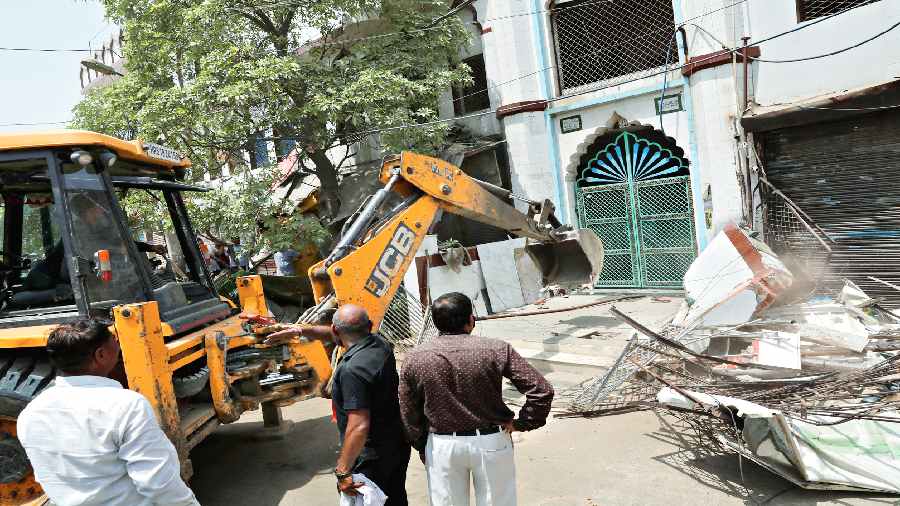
207,76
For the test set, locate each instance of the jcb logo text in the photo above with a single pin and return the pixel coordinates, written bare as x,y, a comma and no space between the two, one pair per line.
391,260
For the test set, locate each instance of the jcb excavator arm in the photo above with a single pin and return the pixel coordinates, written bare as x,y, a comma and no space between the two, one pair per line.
371,258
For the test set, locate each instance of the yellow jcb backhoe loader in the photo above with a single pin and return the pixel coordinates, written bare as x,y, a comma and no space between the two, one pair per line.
67,251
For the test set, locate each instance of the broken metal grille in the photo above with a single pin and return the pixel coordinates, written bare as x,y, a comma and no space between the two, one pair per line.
798,242
812,9
604,41
614,390
407,322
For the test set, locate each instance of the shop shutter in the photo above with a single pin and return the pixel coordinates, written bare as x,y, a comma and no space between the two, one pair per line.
844,174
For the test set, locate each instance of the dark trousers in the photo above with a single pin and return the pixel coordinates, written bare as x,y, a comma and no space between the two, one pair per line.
388,471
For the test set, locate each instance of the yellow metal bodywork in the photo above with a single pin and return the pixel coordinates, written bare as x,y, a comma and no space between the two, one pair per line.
403,234
226,410
27,491
130,150
315,356
25,337
147,367
250,293
150,362
460,194
320,290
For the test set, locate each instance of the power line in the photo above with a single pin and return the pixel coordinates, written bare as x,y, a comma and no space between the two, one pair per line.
833,53
618,83
451,12
366,133
434,26
874,108
592,53
45,50
314,45
592,90
35,124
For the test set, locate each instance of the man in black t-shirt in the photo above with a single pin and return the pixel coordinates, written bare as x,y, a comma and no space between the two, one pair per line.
367,409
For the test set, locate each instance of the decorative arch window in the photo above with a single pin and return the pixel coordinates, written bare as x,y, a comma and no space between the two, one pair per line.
601,42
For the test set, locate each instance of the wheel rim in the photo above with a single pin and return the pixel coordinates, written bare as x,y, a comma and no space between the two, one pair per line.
17,483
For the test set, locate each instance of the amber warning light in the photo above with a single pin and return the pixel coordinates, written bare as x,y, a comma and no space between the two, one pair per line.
103,265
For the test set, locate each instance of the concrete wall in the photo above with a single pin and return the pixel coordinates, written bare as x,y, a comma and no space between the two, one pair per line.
486,124
716,99
873,63
519,57
512,52
706,129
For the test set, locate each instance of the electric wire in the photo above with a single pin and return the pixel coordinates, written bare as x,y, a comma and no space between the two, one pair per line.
832,53
46,50
874,108
592,53
312,44
35,123
451,12
594,90
561,97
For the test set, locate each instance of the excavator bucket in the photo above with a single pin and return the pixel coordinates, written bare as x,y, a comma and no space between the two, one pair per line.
576,259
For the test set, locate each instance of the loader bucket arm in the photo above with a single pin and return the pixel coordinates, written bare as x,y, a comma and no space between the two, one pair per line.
369,262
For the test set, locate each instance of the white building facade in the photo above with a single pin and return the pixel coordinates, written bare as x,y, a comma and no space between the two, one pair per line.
658,162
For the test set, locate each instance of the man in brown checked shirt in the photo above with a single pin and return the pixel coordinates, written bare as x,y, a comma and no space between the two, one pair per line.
452,407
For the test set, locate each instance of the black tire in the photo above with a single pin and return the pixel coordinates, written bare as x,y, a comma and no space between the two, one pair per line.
190,385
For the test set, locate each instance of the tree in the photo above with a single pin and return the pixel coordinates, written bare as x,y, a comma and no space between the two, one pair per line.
242,204
210,76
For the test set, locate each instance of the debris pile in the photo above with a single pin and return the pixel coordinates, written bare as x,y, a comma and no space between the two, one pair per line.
807,386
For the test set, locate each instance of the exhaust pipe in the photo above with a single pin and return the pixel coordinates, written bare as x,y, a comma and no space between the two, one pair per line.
574,260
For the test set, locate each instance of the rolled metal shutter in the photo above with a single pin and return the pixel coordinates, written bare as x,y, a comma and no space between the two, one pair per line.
844,174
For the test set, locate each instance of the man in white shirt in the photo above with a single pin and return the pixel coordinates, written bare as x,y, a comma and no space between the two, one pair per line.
92,442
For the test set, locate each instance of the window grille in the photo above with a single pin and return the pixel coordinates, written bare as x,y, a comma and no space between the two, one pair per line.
474,97
812,9
608,41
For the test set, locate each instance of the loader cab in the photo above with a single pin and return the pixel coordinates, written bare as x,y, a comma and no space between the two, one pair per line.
67,247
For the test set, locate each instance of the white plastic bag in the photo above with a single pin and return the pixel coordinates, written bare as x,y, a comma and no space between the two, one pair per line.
369,494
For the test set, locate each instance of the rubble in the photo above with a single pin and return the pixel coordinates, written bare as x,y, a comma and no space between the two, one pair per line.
807,386
733,278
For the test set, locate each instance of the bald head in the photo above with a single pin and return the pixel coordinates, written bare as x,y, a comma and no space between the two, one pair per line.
351,322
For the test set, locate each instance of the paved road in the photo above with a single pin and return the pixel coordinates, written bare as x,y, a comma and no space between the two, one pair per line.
625,460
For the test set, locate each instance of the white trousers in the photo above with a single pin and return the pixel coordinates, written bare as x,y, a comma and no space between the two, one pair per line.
488,460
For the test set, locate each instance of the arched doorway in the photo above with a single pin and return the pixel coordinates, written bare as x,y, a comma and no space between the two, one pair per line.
633,189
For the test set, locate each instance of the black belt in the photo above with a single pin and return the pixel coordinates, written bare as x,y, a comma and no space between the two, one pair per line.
493,429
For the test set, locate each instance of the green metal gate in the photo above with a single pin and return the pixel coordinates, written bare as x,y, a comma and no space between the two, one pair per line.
636,195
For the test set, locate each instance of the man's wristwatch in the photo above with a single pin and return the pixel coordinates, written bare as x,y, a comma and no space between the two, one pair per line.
340,476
